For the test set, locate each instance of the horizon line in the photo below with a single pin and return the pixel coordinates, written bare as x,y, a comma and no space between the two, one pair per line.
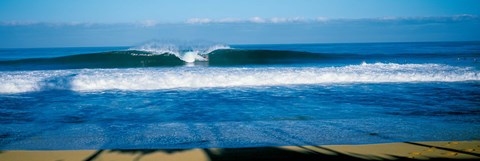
241,44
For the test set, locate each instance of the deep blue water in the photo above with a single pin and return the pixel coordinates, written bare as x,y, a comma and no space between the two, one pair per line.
190,96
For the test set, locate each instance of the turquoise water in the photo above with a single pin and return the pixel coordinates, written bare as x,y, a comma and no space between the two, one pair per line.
161,95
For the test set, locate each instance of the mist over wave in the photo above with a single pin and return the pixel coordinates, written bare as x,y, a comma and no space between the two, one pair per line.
188,51
167,78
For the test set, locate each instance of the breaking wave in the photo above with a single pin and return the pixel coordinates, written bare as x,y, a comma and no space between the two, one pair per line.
186,51
155,57
81,80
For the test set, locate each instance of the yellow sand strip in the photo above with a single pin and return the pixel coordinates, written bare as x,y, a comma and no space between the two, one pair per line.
390,151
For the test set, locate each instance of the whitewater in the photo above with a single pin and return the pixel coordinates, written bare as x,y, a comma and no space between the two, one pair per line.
189,51
191,94
190,77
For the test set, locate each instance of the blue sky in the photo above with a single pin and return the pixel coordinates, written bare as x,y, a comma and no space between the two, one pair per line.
63,23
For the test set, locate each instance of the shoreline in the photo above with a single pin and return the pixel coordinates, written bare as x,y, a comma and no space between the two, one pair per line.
437,150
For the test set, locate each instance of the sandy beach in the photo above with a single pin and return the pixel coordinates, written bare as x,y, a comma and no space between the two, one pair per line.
453,150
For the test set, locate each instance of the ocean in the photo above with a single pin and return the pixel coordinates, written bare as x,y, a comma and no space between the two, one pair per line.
176,95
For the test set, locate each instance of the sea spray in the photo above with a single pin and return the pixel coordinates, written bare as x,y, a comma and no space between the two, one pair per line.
188,51
167,78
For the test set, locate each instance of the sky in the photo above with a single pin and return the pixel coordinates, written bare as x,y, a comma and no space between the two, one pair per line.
69,23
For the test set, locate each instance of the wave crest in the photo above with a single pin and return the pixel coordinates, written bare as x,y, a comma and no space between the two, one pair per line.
188,51
218,55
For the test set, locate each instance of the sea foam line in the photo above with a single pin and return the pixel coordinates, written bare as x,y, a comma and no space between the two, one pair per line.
200,77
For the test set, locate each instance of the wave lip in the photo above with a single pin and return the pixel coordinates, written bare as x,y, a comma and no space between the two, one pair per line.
167,78
148,56
187,51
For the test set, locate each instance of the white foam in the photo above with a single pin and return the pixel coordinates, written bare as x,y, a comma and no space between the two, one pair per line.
186,51
199,77
28,81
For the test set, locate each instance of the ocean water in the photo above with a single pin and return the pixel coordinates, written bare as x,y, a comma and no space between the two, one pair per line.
198,95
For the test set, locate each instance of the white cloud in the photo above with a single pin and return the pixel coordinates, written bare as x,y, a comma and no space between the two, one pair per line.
230,20
278,20
257,20
249,20
322,19
464,17
50,24
287,20
261,20
148,23
199,20
18,23
427,19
